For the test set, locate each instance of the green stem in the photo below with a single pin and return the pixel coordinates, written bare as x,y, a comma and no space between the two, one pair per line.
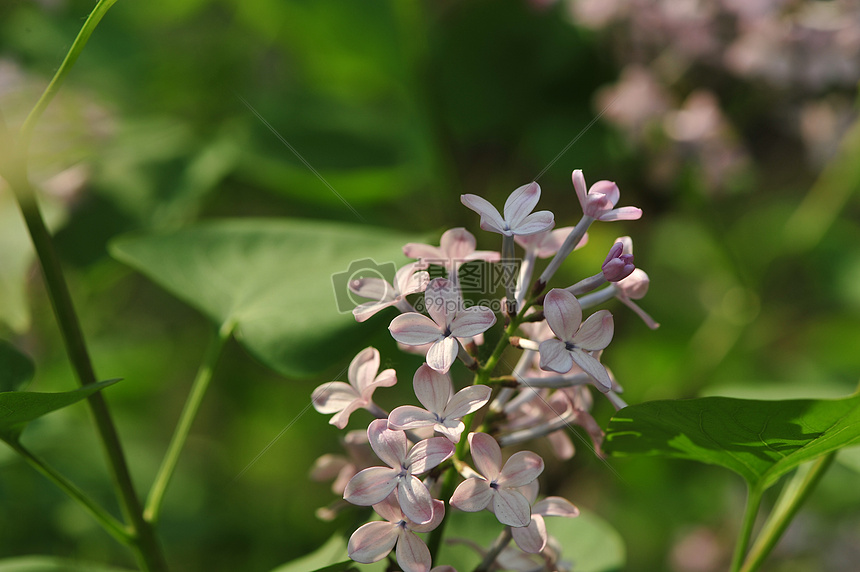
754,494
186,419
108,522
790,500
499,544
77,47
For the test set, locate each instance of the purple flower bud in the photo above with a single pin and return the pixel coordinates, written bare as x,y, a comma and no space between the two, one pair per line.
617,266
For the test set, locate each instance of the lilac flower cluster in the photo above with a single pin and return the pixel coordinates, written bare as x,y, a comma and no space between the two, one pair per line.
422,450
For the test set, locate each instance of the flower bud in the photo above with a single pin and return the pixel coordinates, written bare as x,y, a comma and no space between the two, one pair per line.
617,266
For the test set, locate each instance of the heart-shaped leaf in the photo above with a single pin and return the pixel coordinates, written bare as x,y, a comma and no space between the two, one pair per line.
17,408
280,283
16,369
760,440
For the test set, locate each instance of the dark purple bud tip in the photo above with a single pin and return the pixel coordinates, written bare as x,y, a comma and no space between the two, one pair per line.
617,266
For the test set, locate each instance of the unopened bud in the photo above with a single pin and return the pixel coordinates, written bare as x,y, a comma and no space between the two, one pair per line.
617,266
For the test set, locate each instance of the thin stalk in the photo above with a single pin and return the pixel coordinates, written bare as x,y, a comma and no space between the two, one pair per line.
754,495
186,419
502,540
114,527
790,500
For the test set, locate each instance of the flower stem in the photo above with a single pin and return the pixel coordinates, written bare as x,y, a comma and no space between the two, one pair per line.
186,419
499,544
108,522
754,494
790,500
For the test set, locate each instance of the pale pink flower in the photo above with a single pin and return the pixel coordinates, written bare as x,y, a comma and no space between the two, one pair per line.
342,398
373,541
575,338
533,538
545,244
444,409
456,246
408,280
341,468
373,484
448,320
498,485
599,202
518,218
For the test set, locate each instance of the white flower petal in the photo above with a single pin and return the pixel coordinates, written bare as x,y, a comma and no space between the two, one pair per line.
490,218
472,495
372,542
438,515
472,321
623,213
555,506
486,454
540,221
511,507
457,244
442,354
414,329
333,396
415,500
362,312
433,389
376,289
563,313
408,417
554,356
363,368
592,367
370,486
467,400
596,333
428,453
412,554
390,446
520,203
531,538
522,468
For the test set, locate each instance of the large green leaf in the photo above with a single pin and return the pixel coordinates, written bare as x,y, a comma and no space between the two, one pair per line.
16,369
17,408
51,564
760,440
330,557
273,279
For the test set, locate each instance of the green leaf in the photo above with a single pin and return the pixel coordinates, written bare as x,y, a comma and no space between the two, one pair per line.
330,557
17,408
281,283
759,440
16,369
51,564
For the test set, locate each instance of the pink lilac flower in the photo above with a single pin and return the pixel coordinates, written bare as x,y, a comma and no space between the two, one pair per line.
342,399
341,468
456,246
518,217
448,320
408,280
373,541
575,338
496,485
599,202
533,538
545,244
634,287
617,265
373,484
444,409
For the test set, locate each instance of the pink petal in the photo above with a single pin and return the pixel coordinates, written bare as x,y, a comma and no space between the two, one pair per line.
364,311
531,538
333,396
511,507
636,285
442,354
408,417
433,389
414,329
363,368
472,321
451,429
472,495
437,298
596,333
341,418
376,289
389,509
423,251
327,467
490,218
561,444
592,367
580,188
457,244
608,189
467,400
415,500
372,541
411,282
371,486
520,203
554,356
486,454
555,506
386,378
540,221
522,468
623,213
428,453
390,446
563,313
412,554
530,491
438,515
486,255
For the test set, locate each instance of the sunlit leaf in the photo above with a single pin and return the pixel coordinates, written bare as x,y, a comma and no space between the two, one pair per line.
760,440
50,564
17,408
330,557
281,282
16,369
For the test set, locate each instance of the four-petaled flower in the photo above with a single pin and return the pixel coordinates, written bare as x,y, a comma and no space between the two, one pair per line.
498,485
564,317
373,484
532,538
456,246
599,202
519,218
373,541
448,320
444,409
408,280
342,399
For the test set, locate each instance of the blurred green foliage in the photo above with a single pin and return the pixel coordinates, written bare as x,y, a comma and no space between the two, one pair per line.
194,110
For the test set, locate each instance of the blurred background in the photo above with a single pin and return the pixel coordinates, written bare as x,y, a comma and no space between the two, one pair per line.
732,124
